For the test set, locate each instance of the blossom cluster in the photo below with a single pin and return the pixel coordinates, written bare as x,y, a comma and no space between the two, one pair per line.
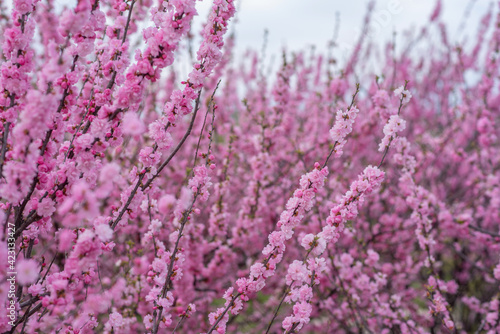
302,276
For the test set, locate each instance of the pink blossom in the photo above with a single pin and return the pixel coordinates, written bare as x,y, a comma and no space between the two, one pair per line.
23,6
46,207
27,271
296,272
394,125
103,232
116,320
372,258
132,125
36,289
307,241
496,272
403,94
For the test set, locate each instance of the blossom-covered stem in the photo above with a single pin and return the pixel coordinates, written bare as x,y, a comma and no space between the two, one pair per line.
297,324
419,199
211,106
177,148
123,40
168,281
223,313
355,312
434,290
59,108
22,225
287,290
432,294
157,315
340,126
12,55
435,293
114,74
71,145
274,250
347,209
404,98
186,314
163,165
20,208
219,209
349,302
295,209
3,150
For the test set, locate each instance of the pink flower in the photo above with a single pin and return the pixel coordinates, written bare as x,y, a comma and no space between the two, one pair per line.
372,258
257,270
148,321
346,259
66,238
192,308
116,320
394,125
342,127
166,302
307,241
149,158
159,265
132,125
46,207
297,272
23,6
103,232
27,271
84,141
288,323
381,98
166,203
496,272
484,125
403,94
35,289
302,311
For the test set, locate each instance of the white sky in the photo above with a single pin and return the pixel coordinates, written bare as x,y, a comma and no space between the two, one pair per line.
300,23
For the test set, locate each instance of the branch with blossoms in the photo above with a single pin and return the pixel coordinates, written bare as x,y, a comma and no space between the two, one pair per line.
296,208
302,275
199,185
420,202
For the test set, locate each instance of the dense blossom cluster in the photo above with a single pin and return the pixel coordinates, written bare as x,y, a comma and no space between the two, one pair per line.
326,197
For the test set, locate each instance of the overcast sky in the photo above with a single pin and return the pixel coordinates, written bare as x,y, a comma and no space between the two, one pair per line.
299,23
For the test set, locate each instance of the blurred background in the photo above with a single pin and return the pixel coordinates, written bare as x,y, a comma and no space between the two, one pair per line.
298,24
